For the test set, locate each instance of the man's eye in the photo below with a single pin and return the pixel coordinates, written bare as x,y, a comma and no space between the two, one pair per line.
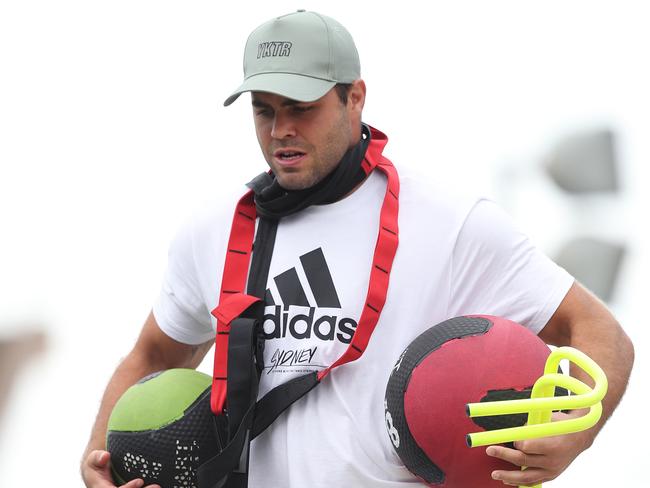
263,113
302,109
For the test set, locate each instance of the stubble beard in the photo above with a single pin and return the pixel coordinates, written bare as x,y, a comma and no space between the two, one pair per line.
323,161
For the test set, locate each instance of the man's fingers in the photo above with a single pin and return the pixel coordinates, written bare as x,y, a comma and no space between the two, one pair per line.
135,484
535,473
514,456
527,447
527,477
544,459
99,459
538,446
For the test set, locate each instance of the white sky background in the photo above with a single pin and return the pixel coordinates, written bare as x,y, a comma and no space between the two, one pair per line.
112,131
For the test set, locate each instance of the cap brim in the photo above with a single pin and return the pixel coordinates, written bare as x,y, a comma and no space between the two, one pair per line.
290,85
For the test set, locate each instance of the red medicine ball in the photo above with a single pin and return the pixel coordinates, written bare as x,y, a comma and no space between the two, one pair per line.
459,361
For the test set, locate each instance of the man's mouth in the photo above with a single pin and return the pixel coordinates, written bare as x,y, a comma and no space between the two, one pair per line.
288,157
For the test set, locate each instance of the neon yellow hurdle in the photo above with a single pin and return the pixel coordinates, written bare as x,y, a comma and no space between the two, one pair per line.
542,403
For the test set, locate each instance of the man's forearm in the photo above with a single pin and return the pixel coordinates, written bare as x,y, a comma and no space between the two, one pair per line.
613,352
583,322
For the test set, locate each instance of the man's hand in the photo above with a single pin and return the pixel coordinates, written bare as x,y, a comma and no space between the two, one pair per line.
96,472
544,458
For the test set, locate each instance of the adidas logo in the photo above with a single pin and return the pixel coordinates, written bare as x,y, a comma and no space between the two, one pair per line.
283,316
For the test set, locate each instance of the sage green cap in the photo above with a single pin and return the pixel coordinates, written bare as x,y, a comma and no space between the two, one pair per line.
301,56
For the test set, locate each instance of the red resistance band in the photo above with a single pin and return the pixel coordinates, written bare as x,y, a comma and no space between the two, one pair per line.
233,299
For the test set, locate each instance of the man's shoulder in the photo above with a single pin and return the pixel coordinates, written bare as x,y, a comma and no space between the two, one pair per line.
434,194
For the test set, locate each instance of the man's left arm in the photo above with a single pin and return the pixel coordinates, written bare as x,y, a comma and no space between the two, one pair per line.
584,322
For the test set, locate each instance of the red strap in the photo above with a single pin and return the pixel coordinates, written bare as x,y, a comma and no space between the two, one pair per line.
232,299
231,308
382,261
235,274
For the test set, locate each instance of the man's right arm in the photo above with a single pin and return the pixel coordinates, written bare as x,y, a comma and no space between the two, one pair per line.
153,351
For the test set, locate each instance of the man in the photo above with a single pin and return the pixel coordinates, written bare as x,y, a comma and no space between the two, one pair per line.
456,256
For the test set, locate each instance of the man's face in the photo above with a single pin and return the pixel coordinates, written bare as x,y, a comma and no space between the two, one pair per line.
303,141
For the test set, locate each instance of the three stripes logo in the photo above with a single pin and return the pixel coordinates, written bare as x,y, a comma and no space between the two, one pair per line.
317,301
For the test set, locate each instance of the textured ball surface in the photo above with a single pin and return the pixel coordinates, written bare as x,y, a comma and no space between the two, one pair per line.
162,429
459,361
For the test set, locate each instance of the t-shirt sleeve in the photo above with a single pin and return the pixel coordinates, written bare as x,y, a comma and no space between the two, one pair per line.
496,270
180,309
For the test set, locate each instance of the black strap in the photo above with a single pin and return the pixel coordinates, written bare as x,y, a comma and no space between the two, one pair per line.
267,229
229,468
279,399
258,275
242,374
218,471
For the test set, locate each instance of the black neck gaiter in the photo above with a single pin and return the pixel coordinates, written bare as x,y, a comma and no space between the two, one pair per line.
274,202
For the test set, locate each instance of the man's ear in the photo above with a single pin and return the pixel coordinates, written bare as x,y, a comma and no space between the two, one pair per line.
357,96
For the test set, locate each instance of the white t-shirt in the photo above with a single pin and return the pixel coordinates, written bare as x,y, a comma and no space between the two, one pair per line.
456,256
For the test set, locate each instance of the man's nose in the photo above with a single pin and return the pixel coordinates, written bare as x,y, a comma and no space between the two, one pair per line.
283,126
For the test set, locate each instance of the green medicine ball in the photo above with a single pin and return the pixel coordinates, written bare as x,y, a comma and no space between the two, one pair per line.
162,429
